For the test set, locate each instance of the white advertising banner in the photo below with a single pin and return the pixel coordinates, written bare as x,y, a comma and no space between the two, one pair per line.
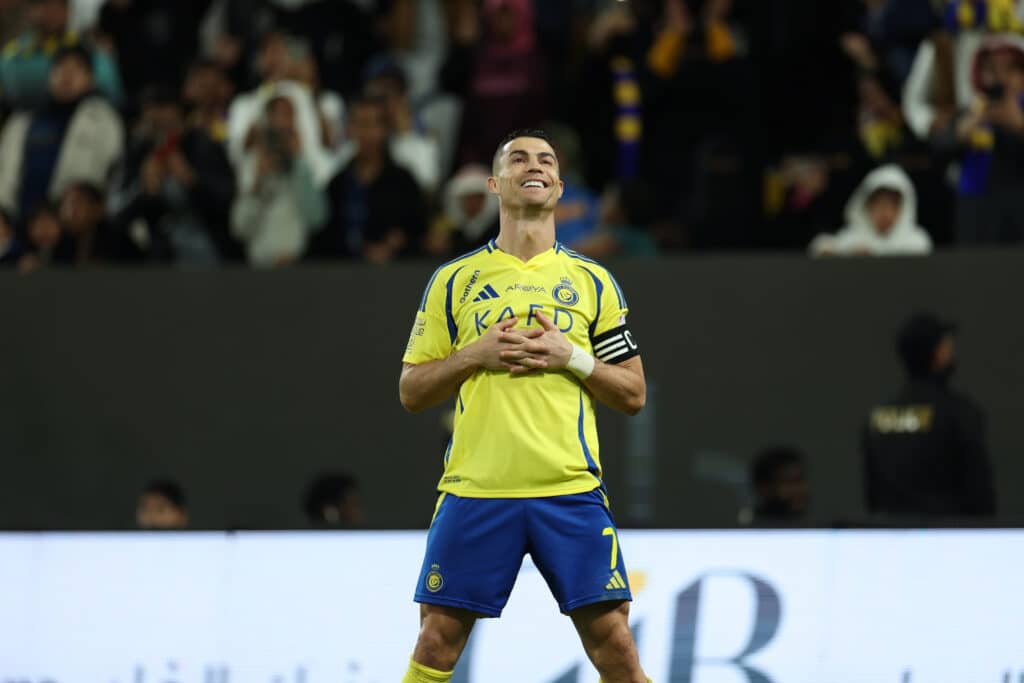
710,607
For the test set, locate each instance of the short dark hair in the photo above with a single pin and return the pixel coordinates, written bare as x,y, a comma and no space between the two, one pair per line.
767,464
519,133
327,489
169,489
41,208
76,51
388,70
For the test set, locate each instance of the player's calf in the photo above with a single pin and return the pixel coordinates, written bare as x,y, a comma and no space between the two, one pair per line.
443,635
608,641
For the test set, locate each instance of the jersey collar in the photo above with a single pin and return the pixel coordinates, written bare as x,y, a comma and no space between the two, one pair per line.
536,262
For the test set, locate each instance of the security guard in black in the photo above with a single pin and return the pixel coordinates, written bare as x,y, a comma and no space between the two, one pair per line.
925,453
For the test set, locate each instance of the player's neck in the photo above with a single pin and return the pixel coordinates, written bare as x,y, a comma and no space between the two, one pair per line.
526,236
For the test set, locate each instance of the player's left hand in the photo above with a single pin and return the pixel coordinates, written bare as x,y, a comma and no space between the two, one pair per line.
550,351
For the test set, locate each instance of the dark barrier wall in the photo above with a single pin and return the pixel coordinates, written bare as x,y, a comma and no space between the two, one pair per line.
243,384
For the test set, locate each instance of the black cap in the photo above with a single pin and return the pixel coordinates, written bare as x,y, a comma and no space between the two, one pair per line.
918,338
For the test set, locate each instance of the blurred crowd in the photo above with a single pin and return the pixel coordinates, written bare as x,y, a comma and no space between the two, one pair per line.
273,132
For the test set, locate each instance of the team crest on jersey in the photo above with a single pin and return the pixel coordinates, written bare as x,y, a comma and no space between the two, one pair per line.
434,579
564,293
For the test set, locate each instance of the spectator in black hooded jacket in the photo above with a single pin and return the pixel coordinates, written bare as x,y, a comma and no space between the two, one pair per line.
924,449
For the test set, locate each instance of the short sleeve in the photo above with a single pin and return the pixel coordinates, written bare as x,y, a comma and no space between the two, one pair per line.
610,337
430,338
613,310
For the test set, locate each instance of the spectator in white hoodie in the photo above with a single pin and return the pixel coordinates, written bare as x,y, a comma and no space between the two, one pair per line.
881,220
282,65
279,205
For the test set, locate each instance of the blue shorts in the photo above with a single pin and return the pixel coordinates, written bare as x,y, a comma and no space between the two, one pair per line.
476,546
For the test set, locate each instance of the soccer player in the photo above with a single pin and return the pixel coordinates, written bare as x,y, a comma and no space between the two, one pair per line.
525,335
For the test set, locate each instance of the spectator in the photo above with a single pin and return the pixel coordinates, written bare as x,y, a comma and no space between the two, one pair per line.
469,218
77,136
27,61
626,215
781,490
696,158
888,34
162,506
577,215
992,132
804,193
377,210
278,65
82,213
279,205
332,500
231,37
941,80
881,220
495,65
175,187
924,448
415,39
340,34
207,92
411,147
47,245
885,138
607,105
10,246
153,39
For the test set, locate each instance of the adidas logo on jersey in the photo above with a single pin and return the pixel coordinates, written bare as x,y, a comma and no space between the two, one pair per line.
616,584
486,293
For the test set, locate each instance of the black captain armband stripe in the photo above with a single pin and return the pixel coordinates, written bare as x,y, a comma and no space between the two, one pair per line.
615,346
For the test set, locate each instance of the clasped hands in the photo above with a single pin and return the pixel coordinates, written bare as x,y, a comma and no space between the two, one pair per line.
522,350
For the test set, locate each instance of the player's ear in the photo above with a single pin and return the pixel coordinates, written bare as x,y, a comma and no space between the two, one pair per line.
492,185
561,188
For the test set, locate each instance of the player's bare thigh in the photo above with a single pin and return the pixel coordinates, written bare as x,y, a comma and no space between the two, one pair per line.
443,635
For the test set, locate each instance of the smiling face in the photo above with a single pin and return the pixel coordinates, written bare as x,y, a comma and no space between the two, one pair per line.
526,175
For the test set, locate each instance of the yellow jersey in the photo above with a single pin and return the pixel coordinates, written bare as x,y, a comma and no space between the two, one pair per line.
532,435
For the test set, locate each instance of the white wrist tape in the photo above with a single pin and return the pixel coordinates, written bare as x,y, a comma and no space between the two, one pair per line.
580,363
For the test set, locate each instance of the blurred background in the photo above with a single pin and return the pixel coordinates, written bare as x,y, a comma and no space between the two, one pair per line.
216,217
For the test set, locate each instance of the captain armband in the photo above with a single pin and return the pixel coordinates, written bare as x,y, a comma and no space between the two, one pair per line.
615,345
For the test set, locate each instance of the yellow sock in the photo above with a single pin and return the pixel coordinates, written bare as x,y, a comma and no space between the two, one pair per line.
417,673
